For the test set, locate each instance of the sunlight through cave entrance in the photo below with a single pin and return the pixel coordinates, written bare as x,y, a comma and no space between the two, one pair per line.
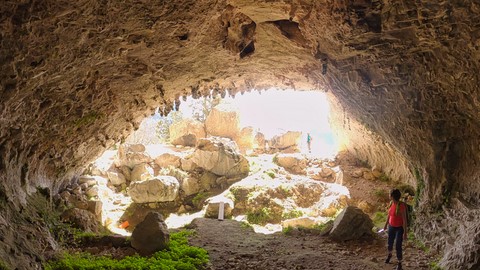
267,157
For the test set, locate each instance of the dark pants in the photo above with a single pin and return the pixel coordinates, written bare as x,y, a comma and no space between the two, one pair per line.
395,233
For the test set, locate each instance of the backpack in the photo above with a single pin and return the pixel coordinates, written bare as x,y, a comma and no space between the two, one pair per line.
409,214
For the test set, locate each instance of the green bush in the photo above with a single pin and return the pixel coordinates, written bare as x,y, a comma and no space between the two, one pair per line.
292,214
261,216
178,255
379,219
287,230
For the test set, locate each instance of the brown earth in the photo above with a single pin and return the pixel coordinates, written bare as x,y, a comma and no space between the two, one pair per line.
232,245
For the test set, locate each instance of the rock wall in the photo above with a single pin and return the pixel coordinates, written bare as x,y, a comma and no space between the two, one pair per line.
77,76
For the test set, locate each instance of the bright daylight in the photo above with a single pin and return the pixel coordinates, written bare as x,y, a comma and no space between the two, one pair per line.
258,158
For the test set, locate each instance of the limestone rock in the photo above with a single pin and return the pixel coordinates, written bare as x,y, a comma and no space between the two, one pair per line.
294,163
116,177
245,139
141,172
190,185
351,224
150,235
160,189
213,205
130,156
259,142
304,222
222,122
186,132
168,159
286,141
187,165
220,157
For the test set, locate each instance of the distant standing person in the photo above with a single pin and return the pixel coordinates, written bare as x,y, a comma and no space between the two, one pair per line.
397,226
309,142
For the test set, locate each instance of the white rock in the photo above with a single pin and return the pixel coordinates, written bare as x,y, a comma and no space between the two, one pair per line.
159,189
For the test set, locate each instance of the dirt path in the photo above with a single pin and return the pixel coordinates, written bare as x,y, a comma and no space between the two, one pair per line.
232,245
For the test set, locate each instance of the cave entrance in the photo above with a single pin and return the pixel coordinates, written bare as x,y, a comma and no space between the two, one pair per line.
267,156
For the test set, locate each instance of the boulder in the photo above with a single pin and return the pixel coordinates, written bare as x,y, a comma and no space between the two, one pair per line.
223,122
186,132
220,156
213,205
303,222
87,179
130,155
81,219
159,189
245,140
351,224
150,235
259,142
288,140
190,185
293,163
167,159
187,165
208,180
141,172
116,177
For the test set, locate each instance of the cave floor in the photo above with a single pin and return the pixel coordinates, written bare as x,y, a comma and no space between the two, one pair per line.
232,245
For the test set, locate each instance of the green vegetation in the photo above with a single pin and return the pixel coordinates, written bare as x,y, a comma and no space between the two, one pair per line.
381,194
292,214
287,230
379,219
420,185
245,225
435,266
384,178
270,173
178,255
261,216
199,198
419,244
3,266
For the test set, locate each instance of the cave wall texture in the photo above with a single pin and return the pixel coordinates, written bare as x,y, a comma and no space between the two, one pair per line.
78,76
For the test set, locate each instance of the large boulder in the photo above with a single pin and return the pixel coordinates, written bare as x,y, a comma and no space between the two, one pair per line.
259,142
167,159
186,132
81,219
141,172
294,163
351,224
116,177
245,139
159,189
131,155
220,156
150,235
190,185
287,142
223,122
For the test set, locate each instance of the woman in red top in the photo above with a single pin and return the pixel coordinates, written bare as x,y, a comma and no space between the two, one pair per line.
397,226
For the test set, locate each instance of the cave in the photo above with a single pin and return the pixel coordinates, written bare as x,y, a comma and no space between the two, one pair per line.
402,76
